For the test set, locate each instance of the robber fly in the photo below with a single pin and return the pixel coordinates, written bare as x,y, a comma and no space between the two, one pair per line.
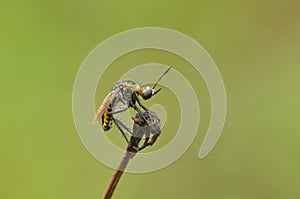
127,92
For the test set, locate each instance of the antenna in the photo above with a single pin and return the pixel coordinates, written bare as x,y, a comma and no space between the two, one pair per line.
161,77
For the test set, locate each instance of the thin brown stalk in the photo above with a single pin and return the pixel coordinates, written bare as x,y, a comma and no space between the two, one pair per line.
140,128
117,175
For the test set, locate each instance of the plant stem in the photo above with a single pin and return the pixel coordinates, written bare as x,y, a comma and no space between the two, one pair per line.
118,173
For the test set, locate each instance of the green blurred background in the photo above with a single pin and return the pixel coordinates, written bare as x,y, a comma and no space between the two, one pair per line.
255,45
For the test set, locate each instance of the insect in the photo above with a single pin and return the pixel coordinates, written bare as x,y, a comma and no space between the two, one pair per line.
145,124
142,127
126,92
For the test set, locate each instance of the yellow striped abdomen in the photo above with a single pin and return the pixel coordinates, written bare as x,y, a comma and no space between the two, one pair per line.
107,119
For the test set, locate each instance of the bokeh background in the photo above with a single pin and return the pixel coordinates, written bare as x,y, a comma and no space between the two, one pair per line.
256,46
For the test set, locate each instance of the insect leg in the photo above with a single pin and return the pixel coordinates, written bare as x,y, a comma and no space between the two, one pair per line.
135,108
147,134
139,111
153,139
141,105
122,125
146,143
119,124
119,110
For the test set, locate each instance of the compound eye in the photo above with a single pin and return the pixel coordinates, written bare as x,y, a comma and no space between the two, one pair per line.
147,92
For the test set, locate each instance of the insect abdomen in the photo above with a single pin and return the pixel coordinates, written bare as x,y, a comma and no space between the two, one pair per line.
107,119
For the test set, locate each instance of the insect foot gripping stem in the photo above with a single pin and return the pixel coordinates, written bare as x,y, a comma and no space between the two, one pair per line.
145,124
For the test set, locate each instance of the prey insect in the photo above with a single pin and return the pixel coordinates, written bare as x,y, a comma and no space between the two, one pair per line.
145,124
127,92
141,128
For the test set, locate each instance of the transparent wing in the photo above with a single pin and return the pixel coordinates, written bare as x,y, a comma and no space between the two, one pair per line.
105,104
